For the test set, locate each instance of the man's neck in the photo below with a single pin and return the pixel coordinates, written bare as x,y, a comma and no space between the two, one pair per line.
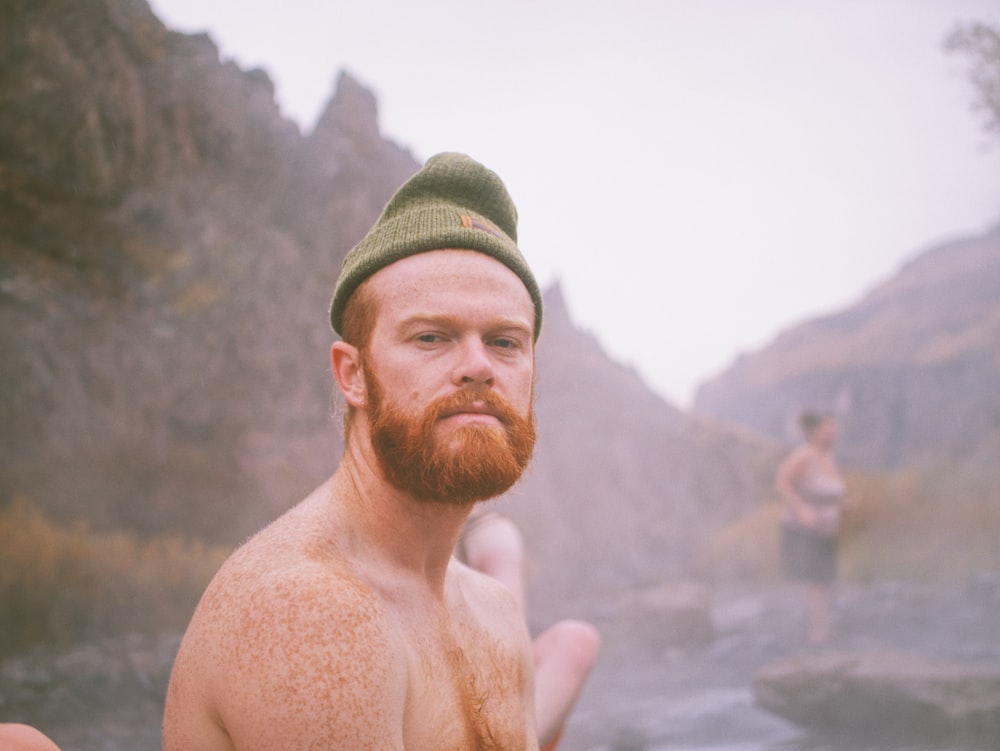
392,527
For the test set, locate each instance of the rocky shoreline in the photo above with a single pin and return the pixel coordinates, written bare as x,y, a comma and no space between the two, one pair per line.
105,695
690,694
700,697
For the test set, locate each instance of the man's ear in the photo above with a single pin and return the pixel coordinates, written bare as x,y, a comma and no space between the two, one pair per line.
346,362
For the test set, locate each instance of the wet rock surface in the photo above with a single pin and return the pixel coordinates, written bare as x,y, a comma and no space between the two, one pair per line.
107,694
673,614
642,696
884,694
700,698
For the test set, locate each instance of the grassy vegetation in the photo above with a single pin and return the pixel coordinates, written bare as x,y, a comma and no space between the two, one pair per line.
937,527
61,584
933,526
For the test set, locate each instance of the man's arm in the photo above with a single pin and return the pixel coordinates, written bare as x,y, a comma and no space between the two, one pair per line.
302,661
788,474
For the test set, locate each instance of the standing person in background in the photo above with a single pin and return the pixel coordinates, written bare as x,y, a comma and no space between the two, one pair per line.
564,653
347,624
812,489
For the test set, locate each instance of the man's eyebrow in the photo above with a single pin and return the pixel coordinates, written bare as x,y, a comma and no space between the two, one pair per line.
428,319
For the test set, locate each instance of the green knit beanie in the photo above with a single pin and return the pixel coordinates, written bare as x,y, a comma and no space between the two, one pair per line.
452,203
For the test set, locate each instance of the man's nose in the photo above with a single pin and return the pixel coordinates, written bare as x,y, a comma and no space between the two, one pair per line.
474,365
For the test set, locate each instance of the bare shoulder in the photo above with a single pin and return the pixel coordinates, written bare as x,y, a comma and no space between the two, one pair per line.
493,604
287,649
17,737
795,460
482,590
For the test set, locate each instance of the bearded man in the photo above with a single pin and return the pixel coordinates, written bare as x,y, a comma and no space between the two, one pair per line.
347,624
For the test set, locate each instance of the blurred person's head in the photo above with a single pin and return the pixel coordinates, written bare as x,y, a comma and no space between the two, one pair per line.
819,428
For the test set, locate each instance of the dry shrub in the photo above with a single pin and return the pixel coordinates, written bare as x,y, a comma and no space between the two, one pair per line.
746,549
936,526
62,584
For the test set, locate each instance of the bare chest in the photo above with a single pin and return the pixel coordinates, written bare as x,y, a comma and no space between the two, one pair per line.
467,689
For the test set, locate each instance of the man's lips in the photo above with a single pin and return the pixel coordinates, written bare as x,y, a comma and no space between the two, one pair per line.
473,410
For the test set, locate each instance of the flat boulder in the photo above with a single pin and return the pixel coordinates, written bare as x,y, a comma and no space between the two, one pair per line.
670,615
883,695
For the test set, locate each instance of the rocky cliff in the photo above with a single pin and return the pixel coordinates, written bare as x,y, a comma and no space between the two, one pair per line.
168,244
913,368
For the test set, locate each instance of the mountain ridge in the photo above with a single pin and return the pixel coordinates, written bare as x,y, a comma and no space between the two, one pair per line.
911,368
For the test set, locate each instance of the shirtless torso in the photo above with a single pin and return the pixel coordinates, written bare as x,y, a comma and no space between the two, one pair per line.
304,641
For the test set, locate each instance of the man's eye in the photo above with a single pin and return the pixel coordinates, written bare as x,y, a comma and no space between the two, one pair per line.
504,343
428,338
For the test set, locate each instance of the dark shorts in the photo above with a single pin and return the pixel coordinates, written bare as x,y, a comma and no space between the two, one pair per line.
806,556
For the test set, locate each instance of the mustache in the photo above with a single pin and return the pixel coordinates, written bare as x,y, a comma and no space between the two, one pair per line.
500,407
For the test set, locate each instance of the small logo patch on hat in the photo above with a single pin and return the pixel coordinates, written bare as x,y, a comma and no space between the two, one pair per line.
470,222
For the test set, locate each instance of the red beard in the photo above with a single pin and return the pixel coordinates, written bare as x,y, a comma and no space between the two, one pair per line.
475,463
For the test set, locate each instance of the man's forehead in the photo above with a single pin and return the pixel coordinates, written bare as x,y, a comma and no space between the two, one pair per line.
447,269
440,276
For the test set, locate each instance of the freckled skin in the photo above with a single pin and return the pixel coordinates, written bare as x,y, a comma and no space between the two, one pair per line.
292,650
346,624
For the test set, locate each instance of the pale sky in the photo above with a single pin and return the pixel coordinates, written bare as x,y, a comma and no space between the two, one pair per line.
697,174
